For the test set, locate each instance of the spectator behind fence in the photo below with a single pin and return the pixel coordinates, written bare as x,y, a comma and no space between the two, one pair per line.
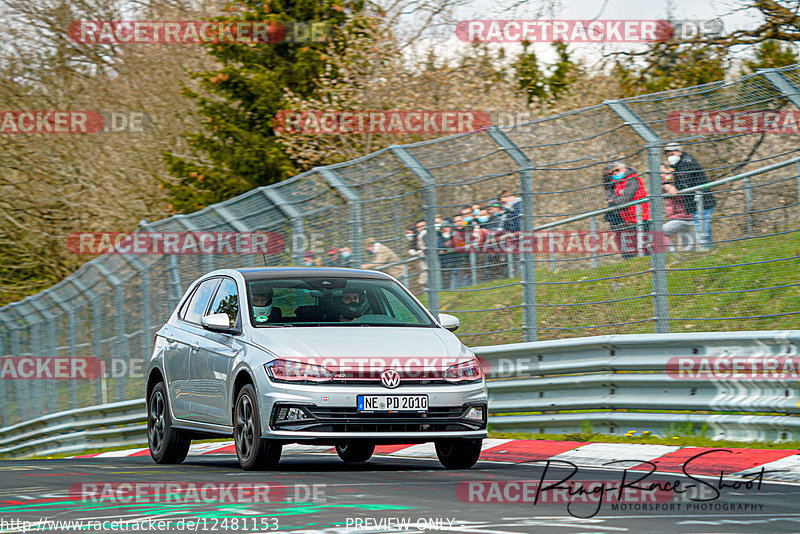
417,250
679,221
627,187
338,257
612,217
512,211
382,255
451,259
689,173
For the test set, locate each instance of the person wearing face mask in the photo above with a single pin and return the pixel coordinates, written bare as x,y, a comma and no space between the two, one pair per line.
689,173
380,255
628,186
261,299
679,222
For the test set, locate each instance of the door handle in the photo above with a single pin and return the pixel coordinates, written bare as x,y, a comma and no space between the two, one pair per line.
195,346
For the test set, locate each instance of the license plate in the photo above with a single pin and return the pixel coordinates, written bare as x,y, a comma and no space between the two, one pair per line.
392,403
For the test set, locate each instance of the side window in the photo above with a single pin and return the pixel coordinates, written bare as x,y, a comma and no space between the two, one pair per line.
226,301
398,309
199,301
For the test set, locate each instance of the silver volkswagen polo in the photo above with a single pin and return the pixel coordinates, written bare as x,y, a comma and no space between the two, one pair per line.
339,357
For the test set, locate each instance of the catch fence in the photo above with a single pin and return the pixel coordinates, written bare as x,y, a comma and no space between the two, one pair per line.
745,279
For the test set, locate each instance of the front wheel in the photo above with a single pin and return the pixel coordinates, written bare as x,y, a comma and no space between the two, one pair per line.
458,453
355,451
167,445
253,451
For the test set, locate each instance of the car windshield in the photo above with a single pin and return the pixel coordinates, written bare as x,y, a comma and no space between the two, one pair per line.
332,302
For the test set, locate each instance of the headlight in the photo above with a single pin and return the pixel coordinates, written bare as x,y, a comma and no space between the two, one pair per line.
290,371
464,372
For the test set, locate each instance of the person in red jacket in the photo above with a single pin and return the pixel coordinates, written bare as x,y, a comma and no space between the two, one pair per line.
628,186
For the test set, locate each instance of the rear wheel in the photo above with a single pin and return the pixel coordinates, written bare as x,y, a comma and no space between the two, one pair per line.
458,453
168,445
253,451
355,451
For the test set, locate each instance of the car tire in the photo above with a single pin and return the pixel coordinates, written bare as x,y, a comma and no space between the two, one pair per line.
253,451
458,453
168,445
354,452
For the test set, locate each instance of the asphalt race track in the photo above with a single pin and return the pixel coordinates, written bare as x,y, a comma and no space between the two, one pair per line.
317,492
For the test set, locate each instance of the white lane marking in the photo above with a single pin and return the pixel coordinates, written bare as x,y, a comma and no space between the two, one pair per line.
120,454
491,443
788,469
421,450
597,454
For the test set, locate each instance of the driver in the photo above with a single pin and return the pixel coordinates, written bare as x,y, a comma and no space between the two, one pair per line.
261,297
350,305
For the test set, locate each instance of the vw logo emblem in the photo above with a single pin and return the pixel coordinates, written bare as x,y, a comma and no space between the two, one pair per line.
390,378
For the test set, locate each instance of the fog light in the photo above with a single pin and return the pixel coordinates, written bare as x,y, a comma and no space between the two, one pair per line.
474,413
294,414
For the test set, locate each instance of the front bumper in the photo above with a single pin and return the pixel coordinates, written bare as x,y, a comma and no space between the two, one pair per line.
330,413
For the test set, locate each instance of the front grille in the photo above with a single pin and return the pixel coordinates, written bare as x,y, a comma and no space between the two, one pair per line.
334,419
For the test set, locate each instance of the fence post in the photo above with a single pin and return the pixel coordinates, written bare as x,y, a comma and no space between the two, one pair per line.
144,283
206,260
657,258
429,207
354,204
121,345
526,192
49,347
748,203
13,342
172,267
5,350
698,223
593,228
72,340
294,216
790,90
94,300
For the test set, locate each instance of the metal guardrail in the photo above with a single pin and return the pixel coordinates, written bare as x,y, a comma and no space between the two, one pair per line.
595,376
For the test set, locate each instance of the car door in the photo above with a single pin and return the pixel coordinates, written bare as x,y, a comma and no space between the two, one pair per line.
182,340
210,365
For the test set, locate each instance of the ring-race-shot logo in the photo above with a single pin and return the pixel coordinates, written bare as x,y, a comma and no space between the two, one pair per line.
584,31
349,122
198,31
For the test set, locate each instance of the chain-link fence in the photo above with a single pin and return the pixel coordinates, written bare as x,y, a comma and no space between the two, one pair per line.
574,277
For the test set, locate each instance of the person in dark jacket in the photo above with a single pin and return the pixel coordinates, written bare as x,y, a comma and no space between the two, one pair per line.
689,173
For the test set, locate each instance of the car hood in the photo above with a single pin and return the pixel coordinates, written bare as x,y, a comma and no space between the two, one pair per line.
438,347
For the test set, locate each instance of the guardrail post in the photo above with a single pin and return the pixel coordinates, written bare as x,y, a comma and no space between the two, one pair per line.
72,341
526,193
294,216
429,208
657,257
94,300
354,204
121,343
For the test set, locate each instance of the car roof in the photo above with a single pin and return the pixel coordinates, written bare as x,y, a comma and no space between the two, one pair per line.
271,273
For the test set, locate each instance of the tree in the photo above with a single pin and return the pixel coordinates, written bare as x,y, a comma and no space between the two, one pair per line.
529,78
237,150
771,54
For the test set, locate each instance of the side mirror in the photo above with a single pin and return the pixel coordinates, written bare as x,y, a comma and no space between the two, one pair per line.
448,322
217,322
